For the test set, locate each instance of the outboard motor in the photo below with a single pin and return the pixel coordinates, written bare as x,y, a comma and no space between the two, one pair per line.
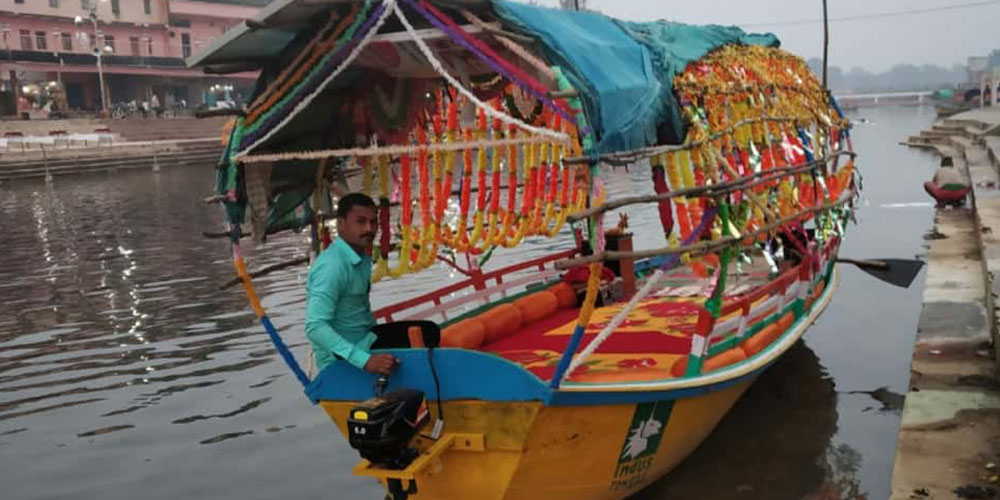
381,428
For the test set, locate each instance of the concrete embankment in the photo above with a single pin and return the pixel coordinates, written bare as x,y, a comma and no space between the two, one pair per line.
152,155
134,144
949,441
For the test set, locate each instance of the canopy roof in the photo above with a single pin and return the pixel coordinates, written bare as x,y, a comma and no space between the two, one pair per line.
256,41
623,70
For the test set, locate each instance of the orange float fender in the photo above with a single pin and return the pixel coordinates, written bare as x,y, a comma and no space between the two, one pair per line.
724,358
501,321
760,340
466,334
818,289
564,293
537,306
634,375
786,321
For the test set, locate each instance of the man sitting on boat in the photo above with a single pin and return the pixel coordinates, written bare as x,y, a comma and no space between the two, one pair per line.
339,319
949,186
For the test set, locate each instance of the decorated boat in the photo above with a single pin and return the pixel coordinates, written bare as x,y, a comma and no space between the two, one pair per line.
482,125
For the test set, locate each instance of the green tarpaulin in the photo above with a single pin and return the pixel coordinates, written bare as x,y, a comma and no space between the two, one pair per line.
624,70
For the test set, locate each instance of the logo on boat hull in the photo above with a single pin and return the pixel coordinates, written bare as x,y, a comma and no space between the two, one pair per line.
641,442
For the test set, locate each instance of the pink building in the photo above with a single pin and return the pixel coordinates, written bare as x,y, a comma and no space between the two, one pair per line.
52,44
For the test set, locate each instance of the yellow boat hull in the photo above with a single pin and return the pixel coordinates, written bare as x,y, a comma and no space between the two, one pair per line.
579,453
565,448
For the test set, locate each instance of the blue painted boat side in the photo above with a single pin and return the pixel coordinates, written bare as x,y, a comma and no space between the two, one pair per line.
471,375
462,374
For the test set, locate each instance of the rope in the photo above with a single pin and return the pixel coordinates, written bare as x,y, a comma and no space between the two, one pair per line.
312,76
706,219
613,324
511,45
436,64
393,150
384,9
486,54
294,71
593,283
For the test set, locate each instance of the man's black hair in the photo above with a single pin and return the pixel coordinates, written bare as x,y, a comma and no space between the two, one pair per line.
352,200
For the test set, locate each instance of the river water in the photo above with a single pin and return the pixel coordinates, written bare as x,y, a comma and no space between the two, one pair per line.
126,372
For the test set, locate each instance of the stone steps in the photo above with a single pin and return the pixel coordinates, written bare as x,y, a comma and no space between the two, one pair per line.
949,428
151,129
206,158
110,155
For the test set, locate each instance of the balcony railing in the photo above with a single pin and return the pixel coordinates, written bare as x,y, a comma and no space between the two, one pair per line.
88,59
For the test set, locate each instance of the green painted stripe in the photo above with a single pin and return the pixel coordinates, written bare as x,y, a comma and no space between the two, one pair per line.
797,307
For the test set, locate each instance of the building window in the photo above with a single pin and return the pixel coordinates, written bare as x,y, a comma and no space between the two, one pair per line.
149,46
115,7
18,1
109,41
85,4
133,42
40,42
147,6
25,40
186,45
54,3
67,42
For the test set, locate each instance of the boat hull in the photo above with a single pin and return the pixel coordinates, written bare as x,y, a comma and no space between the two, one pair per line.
580,452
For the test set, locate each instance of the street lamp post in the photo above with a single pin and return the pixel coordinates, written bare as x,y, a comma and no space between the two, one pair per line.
98,52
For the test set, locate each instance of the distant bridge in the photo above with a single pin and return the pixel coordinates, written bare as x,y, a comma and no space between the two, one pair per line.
885,98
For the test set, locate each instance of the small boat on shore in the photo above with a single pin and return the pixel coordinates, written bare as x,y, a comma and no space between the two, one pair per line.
479,125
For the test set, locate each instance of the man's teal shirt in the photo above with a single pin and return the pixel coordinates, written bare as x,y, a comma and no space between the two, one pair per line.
338,313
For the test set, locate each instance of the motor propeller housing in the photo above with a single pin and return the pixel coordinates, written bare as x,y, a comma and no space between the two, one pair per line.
381,427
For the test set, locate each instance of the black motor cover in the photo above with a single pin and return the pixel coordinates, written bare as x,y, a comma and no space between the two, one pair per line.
381,427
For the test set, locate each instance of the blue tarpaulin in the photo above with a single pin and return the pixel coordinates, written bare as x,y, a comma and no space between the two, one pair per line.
624,70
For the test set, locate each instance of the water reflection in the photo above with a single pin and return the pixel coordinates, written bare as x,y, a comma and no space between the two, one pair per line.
788,416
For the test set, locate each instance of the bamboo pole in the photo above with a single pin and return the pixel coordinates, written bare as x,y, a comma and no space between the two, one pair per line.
826,43
699,248
713,190
637,154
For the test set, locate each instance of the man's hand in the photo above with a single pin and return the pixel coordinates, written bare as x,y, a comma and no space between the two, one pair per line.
381,364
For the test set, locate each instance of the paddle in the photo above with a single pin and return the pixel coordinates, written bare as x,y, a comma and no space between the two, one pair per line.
899,272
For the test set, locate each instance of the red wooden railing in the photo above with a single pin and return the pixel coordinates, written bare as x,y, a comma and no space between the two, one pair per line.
478,281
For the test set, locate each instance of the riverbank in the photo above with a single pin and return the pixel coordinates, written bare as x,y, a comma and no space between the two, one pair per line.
48,148
949,439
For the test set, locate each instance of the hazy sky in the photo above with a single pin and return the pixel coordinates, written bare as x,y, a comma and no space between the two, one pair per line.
943,37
